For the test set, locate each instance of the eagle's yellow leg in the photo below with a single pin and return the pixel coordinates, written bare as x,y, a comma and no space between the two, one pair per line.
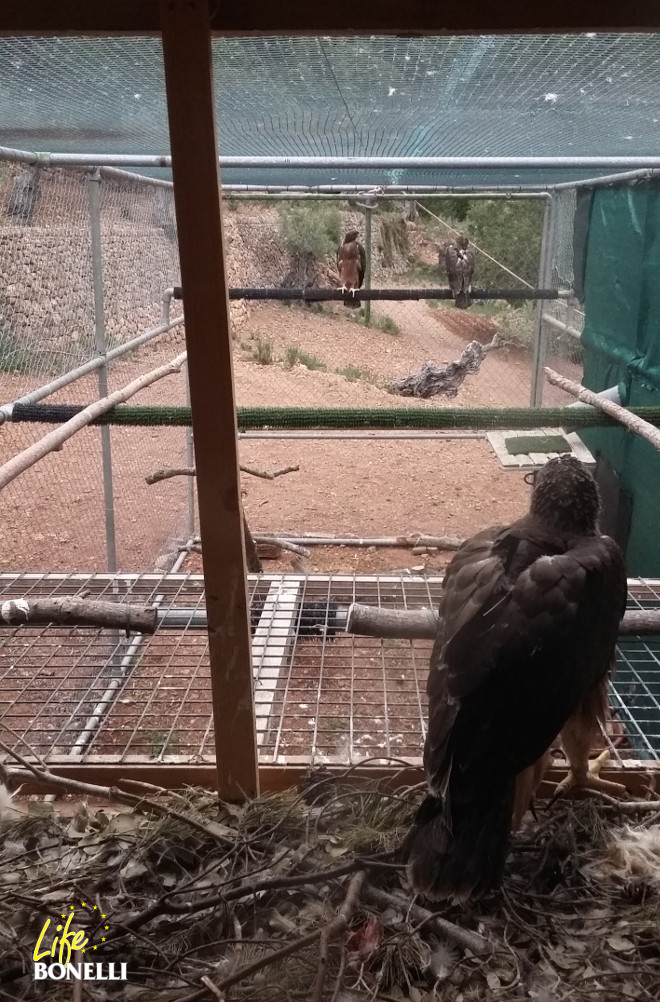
576,740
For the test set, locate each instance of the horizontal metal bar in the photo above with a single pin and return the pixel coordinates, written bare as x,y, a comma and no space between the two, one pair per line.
320,436
560,325
595,182
347,163
395,295
82,370
393,191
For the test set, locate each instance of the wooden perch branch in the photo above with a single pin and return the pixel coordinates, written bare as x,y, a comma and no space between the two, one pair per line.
422,624
189,471
56,438
631,421
71,611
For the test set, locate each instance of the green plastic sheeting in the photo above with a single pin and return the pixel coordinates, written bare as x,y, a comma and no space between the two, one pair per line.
622,345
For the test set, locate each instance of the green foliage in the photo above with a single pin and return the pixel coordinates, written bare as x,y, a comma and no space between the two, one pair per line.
511,233
294,356
263,351
381,323
311,230
452,209
352,373
386,325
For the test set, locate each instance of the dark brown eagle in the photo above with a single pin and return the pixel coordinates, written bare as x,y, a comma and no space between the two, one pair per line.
459,262
351,262
528,626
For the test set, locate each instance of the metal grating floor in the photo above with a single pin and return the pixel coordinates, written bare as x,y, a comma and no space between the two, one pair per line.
321,697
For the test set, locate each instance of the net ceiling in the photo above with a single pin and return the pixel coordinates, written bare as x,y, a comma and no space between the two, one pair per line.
533,95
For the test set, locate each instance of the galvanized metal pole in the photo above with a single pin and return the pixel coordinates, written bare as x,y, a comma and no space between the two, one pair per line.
94,191
367,264
545,274
190,460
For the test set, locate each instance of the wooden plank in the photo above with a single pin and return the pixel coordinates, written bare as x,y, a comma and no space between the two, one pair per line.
297,17
271,645
189,85
638,776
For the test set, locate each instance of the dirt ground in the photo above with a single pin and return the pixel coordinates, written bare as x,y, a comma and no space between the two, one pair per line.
53,515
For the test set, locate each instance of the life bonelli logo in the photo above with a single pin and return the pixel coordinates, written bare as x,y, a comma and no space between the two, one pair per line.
66,946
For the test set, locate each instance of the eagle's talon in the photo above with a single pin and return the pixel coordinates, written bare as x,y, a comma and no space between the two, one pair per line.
591,779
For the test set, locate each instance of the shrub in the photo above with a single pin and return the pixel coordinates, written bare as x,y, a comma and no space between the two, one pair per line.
294,356
263,351
310,230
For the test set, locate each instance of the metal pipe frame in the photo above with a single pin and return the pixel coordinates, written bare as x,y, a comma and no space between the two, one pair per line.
248,192
396,295
94,197
95,363
545,275
46,159
596,182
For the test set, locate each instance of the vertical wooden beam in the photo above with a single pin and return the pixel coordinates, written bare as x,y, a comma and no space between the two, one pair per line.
189,85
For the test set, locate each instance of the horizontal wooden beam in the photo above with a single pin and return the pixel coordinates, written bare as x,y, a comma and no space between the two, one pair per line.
639,776
343,17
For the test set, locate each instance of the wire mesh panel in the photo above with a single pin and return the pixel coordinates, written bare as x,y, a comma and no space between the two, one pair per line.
46,299
321,695
562,319
66,301
351,353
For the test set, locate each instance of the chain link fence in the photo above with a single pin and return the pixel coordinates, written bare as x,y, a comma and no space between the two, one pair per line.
562,319
87,257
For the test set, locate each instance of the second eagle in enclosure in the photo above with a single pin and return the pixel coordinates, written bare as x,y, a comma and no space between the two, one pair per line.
351,264
527,630
459,263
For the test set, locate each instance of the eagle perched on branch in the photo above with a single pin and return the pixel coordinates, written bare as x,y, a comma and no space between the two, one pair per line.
528,625
459,262
351,264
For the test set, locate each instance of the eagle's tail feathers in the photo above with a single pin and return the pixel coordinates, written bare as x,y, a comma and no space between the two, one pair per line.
459,856
463,300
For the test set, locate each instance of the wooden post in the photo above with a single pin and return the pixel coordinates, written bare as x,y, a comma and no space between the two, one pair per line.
189,86
367,266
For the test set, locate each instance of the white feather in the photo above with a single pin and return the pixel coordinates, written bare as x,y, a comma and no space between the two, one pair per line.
633,854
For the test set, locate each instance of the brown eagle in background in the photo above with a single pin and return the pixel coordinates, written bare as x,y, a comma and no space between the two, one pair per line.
528,625
459,262
351,262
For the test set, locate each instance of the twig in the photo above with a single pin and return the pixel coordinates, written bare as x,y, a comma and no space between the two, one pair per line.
166,473
625,806
465,938
334,929
616,411
257,965
269,474
284,544
55,439
212,988
47,778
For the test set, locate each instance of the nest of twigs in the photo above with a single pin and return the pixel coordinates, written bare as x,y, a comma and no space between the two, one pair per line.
292,896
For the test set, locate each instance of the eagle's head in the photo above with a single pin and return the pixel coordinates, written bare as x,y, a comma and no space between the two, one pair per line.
351,236
565,496
462,241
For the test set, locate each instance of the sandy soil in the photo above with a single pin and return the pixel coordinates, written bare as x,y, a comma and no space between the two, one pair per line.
53,515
